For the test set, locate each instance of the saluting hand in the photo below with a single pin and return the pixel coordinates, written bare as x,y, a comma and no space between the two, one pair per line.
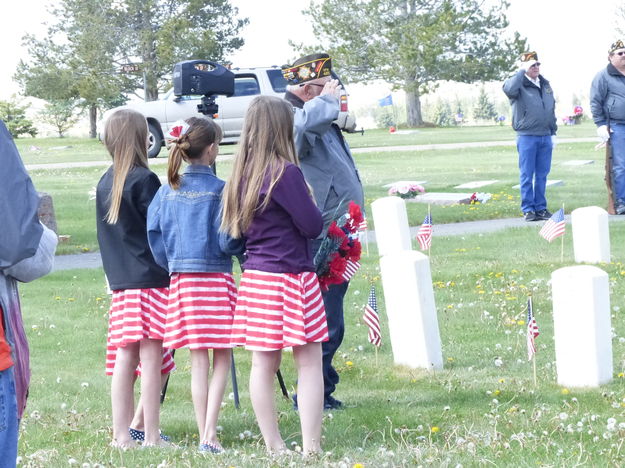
332,87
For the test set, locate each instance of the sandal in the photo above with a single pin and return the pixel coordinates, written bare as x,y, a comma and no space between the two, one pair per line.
139,436
210,448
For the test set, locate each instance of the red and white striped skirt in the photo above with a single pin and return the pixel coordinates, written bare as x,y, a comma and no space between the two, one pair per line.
200,311
168,365
278,310
136,314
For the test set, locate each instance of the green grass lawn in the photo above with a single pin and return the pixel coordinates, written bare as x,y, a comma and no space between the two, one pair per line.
442,169
57,150
482,409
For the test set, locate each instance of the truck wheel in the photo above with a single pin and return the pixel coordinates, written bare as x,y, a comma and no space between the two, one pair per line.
155,141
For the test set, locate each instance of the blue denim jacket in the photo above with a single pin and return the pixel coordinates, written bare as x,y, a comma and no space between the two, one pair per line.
183,225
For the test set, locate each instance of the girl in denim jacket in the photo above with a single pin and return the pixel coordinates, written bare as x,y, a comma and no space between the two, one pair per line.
183,232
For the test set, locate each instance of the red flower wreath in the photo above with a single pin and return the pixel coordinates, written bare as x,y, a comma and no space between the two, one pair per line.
340,246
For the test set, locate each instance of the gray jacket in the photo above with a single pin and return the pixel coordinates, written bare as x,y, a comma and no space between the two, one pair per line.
325,158
533,107
607,96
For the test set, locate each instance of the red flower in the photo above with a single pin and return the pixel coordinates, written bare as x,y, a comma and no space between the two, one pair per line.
355,215
336,232
355,251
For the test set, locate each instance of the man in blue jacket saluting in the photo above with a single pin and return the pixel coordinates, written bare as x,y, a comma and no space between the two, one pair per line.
534,120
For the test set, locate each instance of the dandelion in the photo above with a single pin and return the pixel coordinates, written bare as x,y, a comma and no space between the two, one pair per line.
498,362
434,429
565,391
358,465
349,363
84,384
563,416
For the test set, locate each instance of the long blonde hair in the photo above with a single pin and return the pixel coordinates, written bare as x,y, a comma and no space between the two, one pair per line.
265,147
202,132
126,139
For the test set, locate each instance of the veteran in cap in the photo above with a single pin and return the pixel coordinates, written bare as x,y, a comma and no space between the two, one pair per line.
607,103
328,166
534,120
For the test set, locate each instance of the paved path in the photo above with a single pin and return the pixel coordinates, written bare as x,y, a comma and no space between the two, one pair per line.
377,149
93,260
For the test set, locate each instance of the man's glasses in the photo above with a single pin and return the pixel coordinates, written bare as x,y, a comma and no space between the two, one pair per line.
620,54
312,84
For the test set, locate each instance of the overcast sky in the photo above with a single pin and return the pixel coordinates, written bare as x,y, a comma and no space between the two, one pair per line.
571,37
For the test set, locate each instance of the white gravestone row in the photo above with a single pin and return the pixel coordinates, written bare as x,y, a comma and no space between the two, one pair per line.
581,302
408,292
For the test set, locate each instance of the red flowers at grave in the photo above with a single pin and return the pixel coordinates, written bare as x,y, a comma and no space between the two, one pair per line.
339,253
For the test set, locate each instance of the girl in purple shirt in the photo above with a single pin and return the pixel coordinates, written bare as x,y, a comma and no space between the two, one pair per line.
268,202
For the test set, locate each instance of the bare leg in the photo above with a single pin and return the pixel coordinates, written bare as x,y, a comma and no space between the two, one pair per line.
151,353
221,366
122,393
309,394
137,420
264,367
199,386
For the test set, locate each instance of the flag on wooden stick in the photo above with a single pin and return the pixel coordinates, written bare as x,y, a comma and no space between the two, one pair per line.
424,234
372,319
554,227
532,330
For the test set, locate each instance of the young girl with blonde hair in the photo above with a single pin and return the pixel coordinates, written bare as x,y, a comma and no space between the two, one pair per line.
268,202
139,284
183,231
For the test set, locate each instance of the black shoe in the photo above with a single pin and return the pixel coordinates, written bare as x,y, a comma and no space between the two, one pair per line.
543,214
619,208
530,216
331,403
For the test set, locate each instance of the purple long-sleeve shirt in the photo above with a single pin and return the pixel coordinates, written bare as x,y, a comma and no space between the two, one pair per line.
278,239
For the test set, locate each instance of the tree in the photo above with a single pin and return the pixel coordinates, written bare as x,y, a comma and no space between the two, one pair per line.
159,33
84,49
14,116
61,114
484,108
415,43
77,58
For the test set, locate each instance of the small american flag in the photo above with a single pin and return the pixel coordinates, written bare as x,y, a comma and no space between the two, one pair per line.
363,224
554,227
372,319
351,268
532,330
424,234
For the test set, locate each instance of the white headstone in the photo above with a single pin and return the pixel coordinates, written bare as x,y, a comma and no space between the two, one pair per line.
476,184
392,232
443,198
411,311
591,235
578,162
399,183
581,323
550,183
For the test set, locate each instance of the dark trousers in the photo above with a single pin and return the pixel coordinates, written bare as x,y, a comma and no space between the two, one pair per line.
333,302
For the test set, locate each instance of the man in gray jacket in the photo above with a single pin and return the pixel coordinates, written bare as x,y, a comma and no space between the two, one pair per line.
534,120
329,168
607,103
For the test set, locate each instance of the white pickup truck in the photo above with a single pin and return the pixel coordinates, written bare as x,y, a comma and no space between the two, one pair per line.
248,83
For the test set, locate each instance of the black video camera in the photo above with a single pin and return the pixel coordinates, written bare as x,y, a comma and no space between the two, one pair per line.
193,77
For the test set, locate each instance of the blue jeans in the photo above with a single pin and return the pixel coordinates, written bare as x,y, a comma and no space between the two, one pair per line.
333,303
534,165
617,141
8,419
